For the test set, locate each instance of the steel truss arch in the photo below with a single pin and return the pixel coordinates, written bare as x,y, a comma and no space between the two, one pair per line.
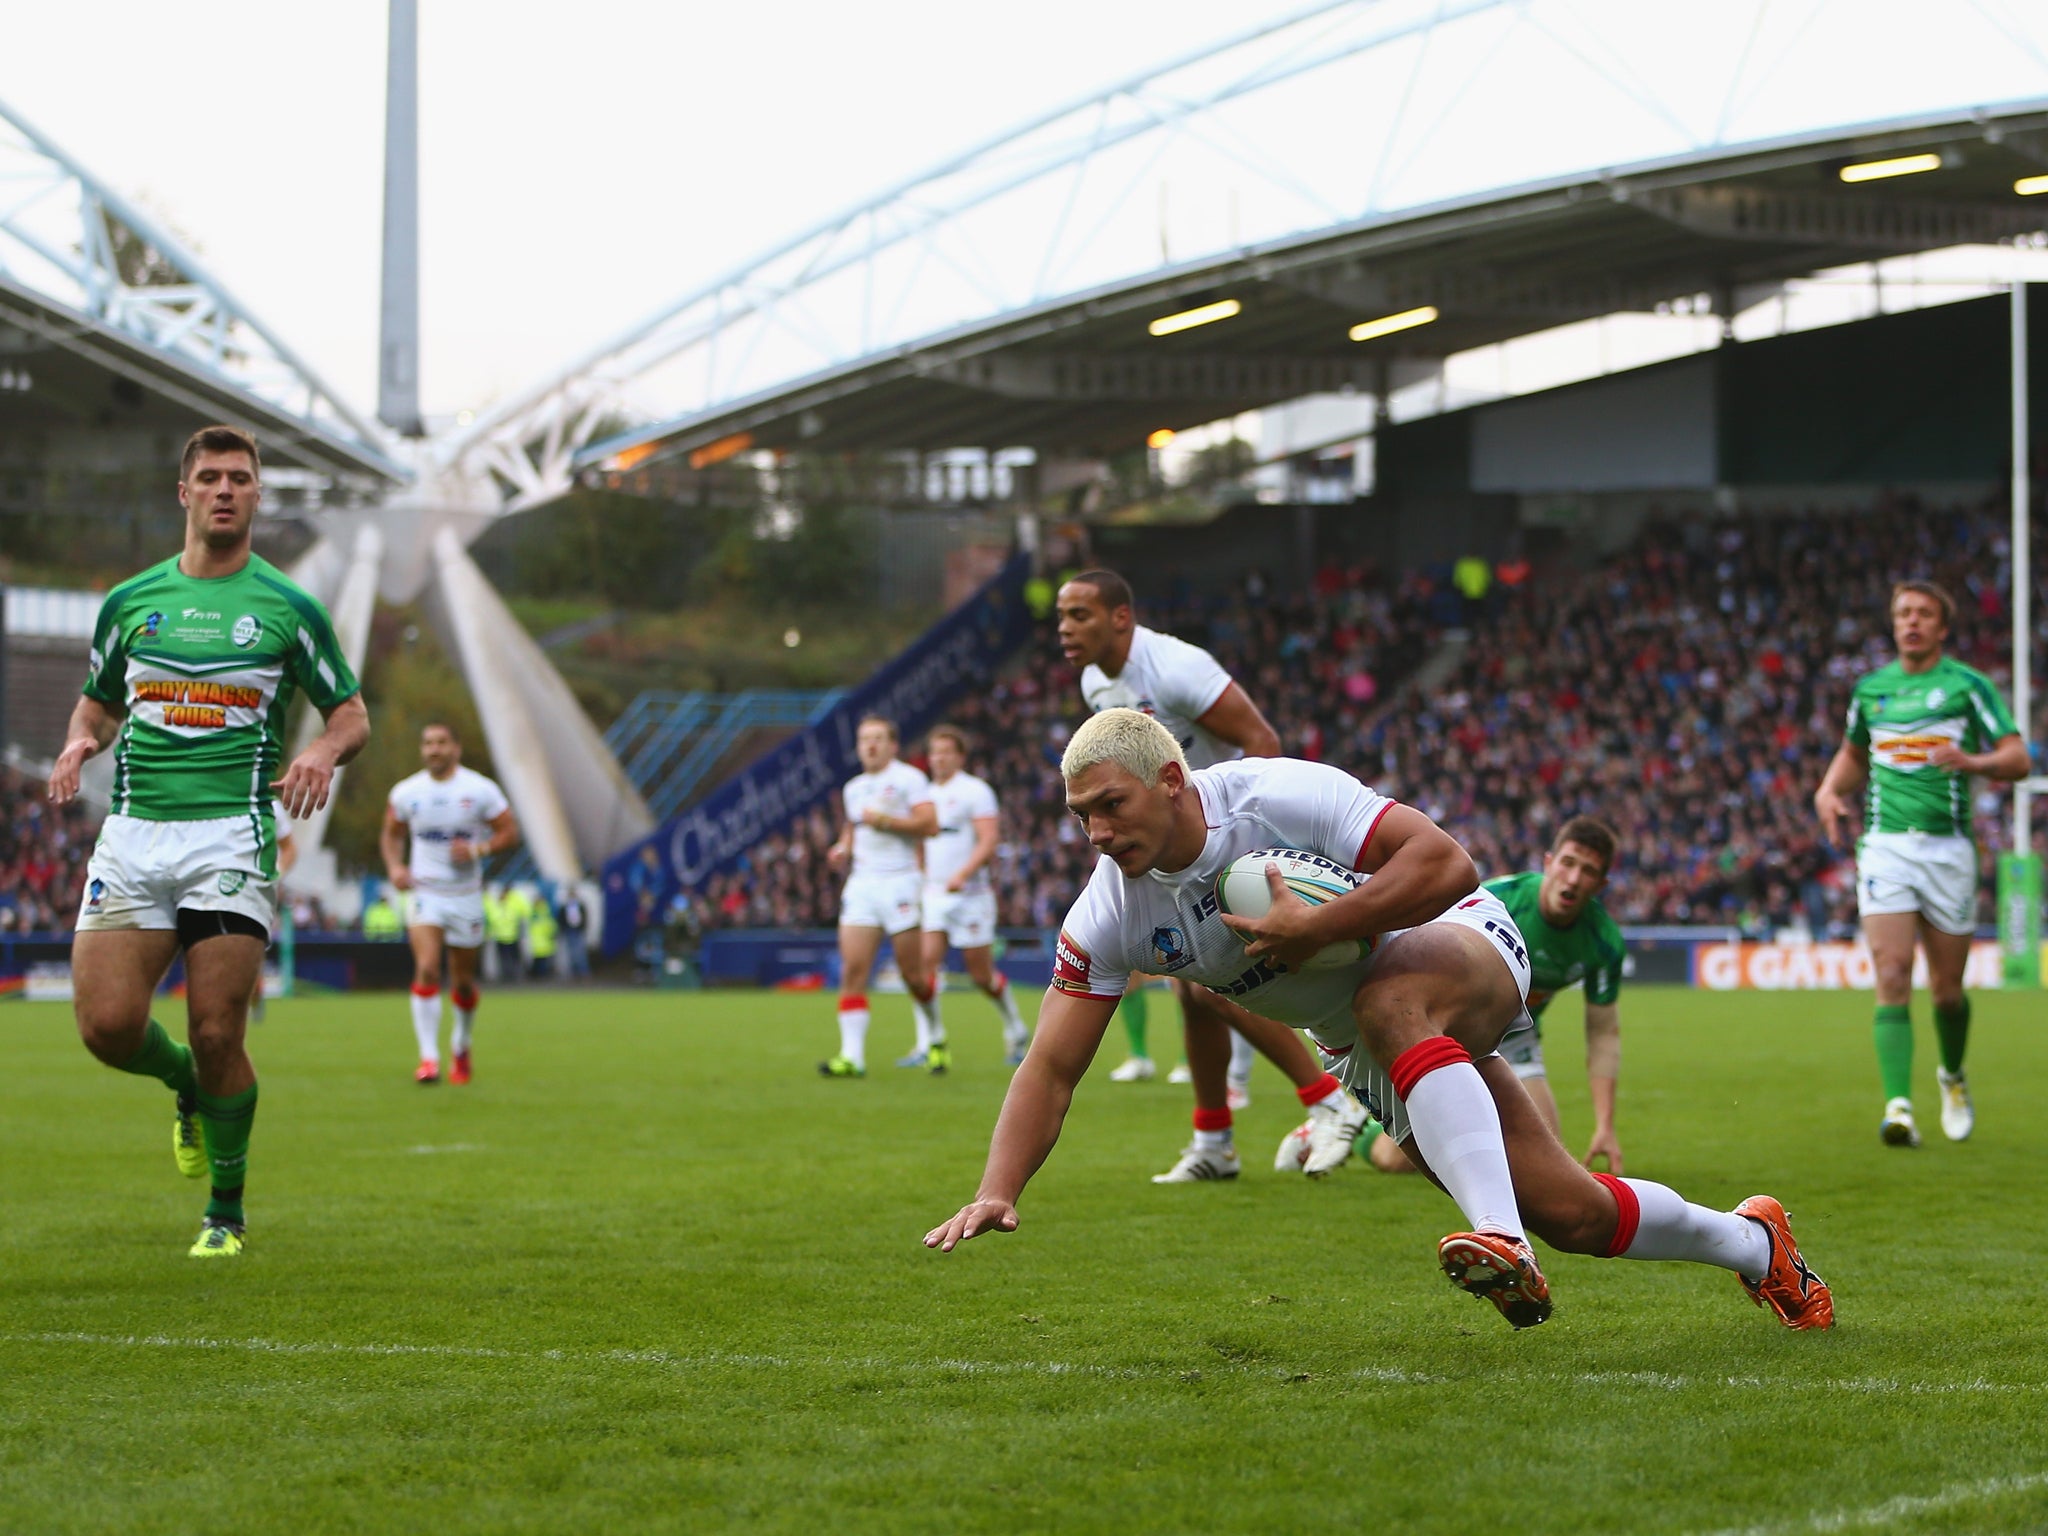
838,296
185,334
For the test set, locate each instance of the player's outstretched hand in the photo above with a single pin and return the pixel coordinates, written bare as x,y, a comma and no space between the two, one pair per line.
64,775
973,1220
1281,938
1604,1144
306,784
400,878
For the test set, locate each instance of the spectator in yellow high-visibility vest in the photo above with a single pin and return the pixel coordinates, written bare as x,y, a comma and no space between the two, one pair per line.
504,918
541,929
380,920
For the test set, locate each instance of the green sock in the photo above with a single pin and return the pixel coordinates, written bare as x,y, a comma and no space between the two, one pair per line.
1132,1011
1952,1033
164,1059
1362,1142
226,1122
1894,1034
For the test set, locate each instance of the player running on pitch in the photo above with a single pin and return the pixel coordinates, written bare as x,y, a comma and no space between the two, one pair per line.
1126,665
1415,1022
889,813
1571,940
1917,729
959,903
455,818
194,664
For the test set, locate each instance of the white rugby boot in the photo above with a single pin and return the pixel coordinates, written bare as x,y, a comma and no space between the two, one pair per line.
1294,1149
1333,1125
1201,1165
1958,1115
1897,1128
1138,1069
1238,1096
1180,1076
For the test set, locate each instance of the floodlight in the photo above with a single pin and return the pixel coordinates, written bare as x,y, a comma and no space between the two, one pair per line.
1188,319
1902,165
1386,325
1160,438
2031,186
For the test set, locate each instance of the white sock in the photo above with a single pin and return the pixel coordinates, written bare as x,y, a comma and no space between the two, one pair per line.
465,1021
853,1032
1242,1053
1212,1141
426,1023
1006,1005
1457,1130
1668,1226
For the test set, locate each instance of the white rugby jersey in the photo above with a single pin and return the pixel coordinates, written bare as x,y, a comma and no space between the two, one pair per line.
1173,682
960,800
438,811
1169,925
894,791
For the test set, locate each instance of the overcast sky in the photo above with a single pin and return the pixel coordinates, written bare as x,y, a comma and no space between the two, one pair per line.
584,162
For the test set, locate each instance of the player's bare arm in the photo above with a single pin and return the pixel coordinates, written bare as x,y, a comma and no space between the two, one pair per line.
310,779
1418,870
1845,776
503,839
1069,1031
985,839
92,726
1603,1076
1236,719
2005,762
391,842
923,820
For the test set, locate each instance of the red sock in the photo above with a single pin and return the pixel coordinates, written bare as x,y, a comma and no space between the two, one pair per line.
464,998
1212,1119
1318,1090
420,991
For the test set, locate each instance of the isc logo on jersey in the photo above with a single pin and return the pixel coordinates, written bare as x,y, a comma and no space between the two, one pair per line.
1243,890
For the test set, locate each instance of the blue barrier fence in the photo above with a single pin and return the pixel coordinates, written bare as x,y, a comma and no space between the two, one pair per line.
962,651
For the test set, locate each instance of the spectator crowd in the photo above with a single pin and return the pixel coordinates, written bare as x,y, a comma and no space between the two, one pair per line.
1689,688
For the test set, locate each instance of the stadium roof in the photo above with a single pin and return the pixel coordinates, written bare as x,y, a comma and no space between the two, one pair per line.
1721,228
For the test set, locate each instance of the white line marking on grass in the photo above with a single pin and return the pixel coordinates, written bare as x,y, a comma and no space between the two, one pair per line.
458,1146
1661,1381
1892,1511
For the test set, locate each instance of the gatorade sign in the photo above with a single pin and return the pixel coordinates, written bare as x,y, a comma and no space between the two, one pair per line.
1818,967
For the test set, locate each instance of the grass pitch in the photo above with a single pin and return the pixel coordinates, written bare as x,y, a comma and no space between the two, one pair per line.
649,1273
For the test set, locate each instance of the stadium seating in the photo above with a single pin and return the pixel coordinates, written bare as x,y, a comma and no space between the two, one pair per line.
1690,688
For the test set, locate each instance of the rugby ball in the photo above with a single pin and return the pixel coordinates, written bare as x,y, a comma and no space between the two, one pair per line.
1243,892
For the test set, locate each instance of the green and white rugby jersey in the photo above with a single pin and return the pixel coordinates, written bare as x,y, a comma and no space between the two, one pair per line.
1901,718
1590,950
206,670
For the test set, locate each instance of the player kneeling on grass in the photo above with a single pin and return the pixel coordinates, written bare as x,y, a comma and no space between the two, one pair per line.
1415,1021
1571,940
455,818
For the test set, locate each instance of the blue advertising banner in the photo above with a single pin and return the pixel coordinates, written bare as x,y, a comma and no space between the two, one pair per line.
960,652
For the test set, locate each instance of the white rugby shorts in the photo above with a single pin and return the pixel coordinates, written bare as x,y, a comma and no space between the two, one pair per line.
892,903
1368,1082
142,872
459,916
1522,1047
1923,872
966,918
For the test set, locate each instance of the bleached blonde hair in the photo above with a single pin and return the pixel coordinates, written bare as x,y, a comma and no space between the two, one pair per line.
1132,740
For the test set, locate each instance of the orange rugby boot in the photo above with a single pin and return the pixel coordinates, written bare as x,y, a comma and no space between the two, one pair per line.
427,1073
461,1073
1500,1268
1799,1297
